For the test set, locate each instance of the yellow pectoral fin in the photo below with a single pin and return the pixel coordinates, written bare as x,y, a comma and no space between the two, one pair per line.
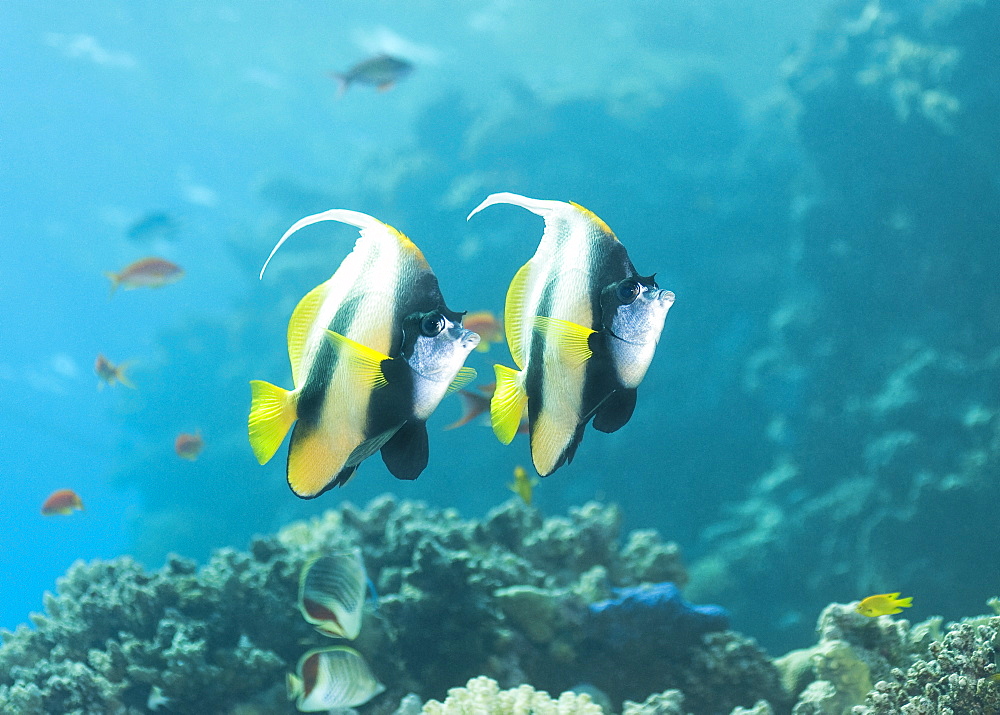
464,377
272,412
507,404
571,338
365,362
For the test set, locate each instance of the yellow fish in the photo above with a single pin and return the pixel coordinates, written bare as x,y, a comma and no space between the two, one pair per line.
582,326
523,485
883,604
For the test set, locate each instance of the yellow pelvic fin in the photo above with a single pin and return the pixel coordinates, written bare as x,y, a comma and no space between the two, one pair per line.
293,685
303,318
514,310
507,404
464,377
272,412
364,362
572,338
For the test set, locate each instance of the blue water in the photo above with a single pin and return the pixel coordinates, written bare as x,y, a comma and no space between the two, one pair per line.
223,116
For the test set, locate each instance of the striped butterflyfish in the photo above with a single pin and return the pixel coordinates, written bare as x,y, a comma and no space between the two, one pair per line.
582,327
373,351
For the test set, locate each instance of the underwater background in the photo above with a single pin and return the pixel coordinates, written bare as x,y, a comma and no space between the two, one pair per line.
818,183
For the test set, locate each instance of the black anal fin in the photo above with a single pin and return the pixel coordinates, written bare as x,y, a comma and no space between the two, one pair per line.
406,453
615,411
571,449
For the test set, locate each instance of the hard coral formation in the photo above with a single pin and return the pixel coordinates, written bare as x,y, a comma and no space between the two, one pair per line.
506,597
483,696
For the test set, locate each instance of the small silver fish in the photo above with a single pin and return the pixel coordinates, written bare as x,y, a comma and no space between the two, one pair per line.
328,678
381,72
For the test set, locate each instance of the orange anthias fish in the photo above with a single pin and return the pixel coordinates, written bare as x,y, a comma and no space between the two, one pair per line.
381,72
477,403
146,273
189,446
111,373
883,604
63,501
487,325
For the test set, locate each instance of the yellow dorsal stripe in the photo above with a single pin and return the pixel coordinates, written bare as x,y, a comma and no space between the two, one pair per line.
299,326
595,219
514,312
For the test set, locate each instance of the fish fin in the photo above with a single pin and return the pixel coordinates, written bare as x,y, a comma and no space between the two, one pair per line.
272,412
352,218
342,83
507,403
615,411
370,446
115,281
573,339
464,377
365,362
541,207
293,685
513,312
905,602
303,318
122,377
473,405
406,453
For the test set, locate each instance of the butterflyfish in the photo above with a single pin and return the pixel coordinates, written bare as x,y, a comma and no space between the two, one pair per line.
332,593
487,326
883,604
111,373
373,350
146,273
582,326
62,502
189,446
381,71
523,485
328,678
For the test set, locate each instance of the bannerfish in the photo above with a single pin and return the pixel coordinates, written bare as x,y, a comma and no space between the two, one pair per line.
488,327
111,373
146,273
381,71
328,678
189,446
332,593
883,604
582,326
62,502
373,351
523,485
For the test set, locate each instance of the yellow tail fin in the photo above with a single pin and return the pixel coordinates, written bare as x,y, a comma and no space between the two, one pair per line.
507,404
272,412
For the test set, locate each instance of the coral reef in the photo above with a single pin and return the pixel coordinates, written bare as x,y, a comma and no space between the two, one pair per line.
483,696
506,597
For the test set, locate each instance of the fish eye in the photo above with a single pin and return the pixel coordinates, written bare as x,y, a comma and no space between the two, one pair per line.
628,291
432,324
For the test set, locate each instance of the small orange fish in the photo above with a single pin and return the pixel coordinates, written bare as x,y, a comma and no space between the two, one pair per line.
487,325
146,273
62,501
381,71
883,604
189,446
111,373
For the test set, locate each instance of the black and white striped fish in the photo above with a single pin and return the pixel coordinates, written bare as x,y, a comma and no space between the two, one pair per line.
373,351
582,327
